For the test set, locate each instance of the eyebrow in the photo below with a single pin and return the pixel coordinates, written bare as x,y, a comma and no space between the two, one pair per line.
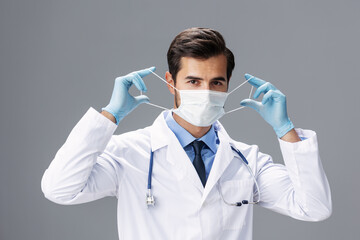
198,78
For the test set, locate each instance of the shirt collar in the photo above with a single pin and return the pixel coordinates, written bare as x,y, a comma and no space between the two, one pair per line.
185,138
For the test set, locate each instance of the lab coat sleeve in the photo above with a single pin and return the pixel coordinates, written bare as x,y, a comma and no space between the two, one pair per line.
299,188
81,170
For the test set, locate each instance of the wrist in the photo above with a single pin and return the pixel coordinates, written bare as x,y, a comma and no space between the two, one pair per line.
291,136
111,115
280,132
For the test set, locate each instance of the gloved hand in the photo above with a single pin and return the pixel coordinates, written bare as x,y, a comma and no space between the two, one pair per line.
272,107
121,102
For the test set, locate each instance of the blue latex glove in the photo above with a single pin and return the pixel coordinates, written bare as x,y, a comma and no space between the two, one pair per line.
272,107
121,102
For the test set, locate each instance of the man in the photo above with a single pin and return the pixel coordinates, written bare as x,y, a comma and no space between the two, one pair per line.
199,174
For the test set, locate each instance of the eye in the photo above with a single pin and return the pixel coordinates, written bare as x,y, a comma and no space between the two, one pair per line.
217,83
193,81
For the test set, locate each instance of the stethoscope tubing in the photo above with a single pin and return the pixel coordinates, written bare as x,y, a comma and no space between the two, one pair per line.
150,198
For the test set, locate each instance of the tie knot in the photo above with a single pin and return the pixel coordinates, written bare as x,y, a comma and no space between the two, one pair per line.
197,146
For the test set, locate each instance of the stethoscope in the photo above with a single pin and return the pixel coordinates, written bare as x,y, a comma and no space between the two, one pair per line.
150,200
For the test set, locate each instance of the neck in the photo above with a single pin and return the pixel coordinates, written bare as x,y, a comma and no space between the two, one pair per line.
196,131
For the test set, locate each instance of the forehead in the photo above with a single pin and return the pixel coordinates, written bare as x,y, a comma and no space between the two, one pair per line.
205,67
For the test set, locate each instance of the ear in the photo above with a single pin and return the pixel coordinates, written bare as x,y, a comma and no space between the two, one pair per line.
228,83
170,81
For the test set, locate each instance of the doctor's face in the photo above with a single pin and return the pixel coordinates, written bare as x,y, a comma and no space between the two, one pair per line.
200,74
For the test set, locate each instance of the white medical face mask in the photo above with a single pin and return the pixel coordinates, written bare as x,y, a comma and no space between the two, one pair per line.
201,107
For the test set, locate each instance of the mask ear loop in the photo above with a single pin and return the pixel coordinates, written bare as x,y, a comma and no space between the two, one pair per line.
239,108
252,87
164,80
164,108
154,105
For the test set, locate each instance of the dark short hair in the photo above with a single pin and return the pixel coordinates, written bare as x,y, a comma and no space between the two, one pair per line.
200,43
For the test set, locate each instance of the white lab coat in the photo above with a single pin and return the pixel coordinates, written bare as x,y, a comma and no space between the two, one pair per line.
93,163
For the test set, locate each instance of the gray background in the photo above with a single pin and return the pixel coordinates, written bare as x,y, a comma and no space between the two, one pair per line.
58,58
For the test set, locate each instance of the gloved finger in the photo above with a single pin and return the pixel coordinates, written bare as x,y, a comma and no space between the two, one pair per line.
272,94
251,103
139,83
263,89
256,82
141,99
145,71
131,79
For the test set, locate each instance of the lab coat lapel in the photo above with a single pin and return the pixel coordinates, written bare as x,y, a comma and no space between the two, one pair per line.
223,158
162,136
181,161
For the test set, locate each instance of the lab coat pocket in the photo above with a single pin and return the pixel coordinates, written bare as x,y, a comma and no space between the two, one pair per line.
235,217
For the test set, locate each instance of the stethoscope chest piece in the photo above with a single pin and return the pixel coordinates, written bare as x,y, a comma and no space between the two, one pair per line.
150,200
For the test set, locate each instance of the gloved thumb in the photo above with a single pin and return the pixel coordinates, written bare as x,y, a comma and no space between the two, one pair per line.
251,103
141,99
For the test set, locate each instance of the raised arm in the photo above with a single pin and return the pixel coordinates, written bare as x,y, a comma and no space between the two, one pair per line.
84,168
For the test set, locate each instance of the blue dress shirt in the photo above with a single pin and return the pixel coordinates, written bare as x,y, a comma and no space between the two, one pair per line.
210,139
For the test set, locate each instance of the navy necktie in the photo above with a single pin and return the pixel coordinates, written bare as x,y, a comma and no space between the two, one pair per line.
198,162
